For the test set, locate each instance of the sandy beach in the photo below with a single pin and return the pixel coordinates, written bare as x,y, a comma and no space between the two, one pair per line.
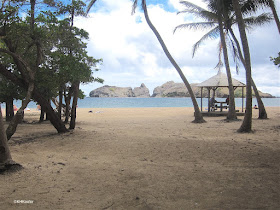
144,158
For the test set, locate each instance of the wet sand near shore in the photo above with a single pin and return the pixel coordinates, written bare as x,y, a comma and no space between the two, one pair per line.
144,158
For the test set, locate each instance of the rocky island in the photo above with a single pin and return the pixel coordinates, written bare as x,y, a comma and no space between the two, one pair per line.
113,91
168,89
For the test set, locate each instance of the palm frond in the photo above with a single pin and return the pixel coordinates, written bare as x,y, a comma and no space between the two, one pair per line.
235,55
220,63
251,6
208,15
196,26
201,13
259,20
134,6
191,6
90,5
212,34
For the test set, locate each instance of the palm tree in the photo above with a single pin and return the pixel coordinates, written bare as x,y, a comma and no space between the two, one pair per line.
197,113
262,111
247,122
267,3
231,113
211,18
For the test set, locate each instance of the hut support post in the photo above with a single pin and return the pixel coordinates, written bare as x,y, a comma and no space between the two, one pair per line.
242,98
201,99
208,99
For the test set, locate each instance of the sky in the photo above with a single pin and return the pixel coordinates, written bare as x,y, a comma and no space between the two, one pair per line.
132,55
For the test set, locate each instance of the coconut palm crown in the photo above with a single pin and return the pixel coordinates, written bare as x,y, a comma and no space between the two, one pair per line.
211,19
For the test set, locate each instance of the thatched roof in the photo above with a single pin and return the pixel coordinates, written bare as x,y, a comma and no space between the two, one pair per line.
220,80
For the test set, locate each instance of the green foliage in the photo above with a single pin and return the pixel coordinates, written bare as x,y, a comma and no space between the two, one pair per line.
53,48
276,60
9,90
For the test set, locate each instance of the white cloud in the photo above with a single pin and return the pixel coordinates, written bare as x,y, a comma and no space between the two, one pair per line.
132,54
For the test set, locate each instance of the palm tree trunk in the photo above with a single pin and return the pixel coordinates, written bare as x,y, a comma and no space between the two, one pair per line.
231,112
197,114
276,18
247,122
262,111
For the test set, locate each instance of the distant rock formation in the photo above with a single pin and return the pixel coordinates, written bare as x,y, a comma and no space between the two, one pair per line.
113,91
172,89
141,92
168,89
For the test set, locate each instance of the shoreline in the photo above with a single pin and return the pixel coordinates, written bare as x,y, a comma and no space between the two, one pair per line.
145,158
149,102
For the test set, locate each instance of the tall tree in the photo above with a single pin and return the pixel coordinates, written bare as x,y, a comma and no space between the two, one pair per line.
79,64
228,18
23,40
231,113
262,110
247,122
197,113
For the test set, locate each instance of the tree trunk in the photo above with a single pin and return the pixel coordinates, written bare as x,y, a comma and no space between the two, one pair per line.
197,114
60,102
76,88
231,112
6,162
42,115
247,122
262,111
9,109
67,108
47,115
53,116
276,18
37,96
19,115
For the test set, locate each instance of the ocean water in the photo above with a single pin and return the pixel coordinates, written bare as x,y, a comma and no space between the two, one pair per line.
151,102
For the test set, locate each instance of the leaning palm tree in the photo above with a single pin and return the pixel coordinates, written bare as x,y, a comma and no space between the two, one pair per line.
211,17
246,8
247,122
197,113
